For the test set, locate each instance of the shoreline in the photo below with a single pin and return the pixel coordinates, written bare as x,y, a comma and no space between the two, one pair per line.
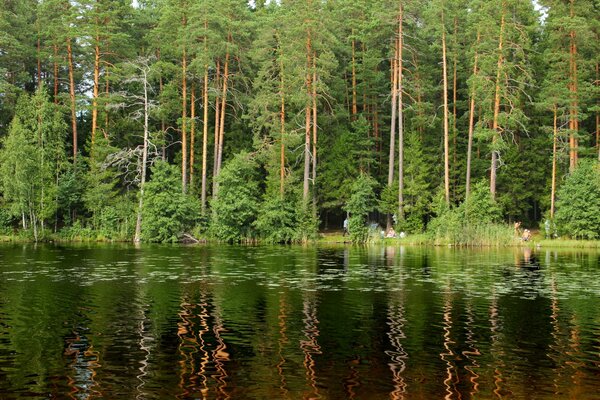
333,239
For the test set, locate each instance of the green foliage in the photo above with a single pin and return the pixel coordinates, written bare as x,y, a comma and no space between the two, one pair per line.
279,219
100,186
71,187
362,201
235,208
578,202
417,190
32,159
351,152
388,203
308,221
5,221
276,51
475,222
167,212
480,208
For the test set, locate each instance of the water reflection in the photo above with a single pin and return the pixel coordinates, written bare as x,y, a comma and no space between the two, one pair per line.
398,355
310,346
83,366
472,352
298,322
448,354
282,343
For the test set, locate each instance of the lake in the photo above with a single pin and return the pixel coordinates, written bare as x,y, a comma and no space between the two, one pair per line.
278,322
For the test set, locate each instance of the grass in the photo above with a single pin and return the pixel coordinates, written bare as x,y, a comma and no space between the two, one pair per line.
572,243
487,236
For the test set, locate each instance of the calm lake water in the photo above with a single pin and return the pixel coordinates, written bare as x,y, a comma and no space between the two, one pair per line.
278,322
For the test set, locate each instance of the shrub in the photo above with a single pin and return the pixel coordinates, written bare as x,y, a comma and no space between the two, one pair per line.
167,212
236,205
578,202
361,202
475,222
278,219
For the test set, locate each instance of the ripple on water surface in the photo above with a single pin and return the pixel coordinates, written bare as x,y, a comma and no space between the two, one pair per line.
297,322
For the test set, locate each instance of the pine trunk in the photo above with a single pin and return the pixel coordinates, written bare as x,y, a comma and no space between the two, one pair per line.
314,130
223,108
217,119
138,225
55,74
354,104
454,97
573,113
204,140
72,98
554,143
598,113
95,94
184,149
282,131
392,153
308,112
39,64
445,97
471,123
163,125
400,119
495,132
192,132
106,93
391,164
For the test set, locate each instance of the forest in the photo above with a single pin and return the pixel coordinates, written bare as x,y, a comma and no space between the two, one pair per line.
160,120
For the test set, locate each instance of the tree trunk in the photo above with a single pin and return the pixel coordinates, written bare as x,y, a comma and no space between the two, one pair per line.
354,105
400,119
138,225
106,93
445,97
314,130
454,97
33,223
163,126
471,123
392,153
72,98
55,74
598,113
307,121
217,130
573,113
554,142
393,120
192,132
95,93
204,140
39,63
184,149
223,108
495,132
282,131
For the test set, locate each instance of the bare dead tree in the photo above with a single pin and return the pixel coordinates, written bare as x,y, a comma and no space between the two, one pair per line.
134,162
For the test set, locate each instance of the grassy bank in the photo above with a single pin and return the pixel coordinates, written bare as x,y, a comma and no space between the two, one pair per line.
486,237
571,243
490,238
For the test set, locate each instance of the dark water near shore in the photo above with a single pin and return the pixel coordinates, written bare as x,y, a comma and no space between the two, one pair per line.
228,322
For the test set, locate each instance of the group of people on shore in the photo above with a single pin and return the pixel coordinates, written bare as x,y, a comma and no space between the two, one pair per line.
525,235
390,233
